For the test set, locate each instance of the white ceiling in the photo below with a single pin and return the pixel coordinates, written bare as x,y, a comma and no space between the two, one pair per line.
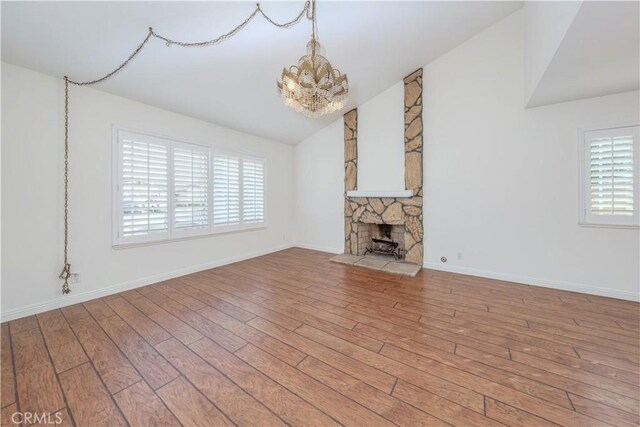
599,55
233,84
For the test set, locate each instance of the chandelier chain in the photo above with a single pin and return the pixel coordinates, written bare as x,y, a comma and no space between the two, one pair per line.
234,31
66,269
307,11
65,275
215,41
120,67
294,21
314,22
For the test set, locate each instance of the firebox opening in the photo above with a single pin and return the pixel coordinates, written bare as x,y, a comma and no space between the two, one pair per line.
385,230
381,239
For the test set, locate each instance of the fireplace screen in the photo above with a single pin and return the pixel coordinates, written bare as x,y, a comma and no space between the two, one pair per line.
381,239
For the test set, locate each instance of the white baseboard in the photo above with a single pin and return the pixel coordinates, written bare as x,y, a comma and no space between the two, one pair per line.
319,248
545,283
144,281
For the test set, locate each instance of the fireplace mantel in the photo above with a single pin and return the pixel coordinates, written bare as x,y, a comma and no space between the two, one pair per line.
393,194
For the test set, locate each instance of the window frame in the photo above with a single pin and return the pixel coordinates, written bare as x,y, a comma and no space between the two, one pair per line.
119,242
584,173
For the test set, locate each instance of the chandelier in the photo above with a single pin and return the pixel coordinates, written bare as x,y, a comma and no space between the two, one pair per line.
313,87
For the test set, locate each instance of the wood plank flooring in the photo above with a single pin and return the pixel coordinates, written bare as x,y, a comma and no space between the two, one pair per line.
292,339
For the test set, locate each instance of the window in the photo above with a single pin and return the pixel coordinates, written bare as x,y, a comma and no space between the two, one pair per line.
226,190
166,189
253,191
144,187
190,188
609,181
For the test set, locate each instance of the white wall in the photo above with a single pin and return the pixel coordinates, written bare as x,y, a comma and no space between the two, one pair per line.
32,129
319,190
381,141
501,182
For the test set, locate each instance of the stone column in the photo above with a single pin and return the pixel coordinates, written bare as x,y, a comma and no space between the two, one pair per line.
413,170
350,178
413,132
351,150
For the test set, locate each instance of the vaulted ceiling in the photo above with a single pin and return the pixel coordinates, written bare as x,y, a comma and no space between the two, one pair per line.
233,84
598,53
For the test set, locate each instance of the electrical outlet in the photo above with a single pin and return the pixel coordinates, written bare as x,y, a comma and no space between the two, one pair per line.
459,255
75,278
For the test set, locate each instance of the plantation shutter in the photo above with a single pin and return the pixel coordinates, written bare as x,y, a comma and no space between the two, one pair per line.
144,197
612,167
252,190
226,190
612,176
190,188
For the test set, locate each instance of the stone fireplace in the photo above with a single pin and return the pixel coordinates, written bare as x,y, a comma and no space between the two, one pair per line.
365,216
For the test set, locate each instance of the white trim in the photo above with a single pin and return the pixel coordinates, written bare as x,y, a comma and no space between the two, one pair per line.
623,226
319,248
219,230
545,283
144,281
397,194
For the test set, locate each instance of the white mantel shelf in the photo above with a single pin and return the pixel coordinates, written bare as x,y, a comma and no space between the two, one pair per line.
393,194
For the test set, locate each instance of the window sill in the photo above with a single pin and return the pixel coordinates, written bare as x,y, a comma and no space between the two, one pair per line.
225,230
595,225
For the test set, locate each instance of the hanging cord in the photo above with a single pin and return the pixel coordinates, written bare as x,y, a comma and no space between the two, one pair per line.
65,275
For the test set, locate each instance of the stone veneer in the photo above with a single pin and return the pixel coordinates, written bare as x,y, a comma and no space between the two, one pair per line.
406,211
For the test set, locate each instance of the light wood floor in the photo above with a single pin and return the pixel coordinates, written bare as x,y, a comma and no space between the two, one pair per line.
291,339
